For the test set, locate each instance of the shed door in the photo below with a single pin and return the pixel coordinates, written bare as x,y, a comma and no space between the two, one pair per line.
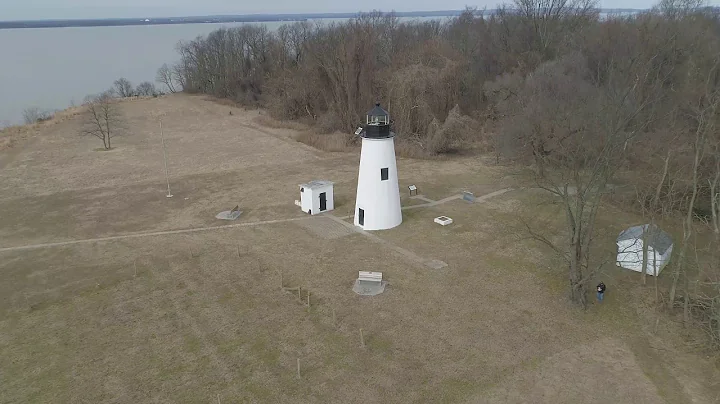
361,217
323,201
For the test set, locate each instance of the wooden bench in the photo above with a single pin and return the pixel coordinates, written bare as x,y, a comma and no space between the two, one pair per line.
365,276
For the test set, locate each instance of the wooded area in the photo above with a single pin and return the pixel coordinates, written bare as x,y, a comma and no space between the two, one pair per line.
581,98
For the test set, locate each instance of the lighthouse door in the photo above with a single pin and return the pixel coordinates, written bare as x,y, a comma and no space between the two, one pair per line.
361,217
323,201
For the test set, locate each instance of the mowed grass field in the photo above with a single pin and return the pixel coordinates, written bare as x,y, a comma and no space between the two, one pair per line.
122,314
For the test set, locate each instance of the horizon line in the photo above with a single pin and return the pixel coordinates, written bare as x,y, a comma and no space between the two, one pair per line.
306,14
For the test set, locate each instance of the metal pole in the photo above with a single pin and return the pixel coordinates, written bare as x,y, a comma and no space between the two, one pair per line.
167,178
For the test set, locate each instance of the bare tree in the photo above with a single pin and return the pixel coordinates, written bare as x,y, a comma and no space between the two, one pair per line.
102,118
35,115
649,196
714,183
123,87
550,20
656,154
714,323
146,89
166,76
675,9
701,308
703,114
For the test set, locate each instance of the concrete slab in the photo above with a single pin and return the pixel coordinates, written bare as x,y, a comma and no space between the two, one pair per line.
436,264
324,228
229,215
364,288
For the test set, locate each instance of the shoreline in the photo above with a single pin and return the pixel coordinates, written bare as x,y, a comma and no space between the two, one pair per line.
242,18
215,19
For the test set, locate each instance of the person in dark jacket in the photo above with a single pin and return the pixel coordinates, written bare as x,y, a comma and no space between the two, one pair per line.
600,291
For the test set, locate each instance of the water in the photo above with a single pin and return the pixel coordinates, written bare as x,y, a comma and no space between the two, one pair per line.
54,68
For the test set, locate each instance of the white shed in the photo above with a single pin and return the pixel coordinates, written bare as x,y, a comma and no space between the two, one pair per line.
316,197
630,249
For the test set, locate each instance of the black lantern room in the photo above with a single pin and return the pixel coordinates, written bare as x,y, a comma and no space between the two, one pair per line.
377,124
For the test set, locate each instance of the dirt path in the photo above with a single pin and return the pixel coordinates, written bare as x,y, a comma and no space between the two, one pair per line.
433,264
148,234
414,257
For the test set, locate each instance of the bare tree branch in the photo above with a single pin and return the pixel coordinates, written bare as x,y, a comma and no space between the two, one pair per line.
103,119
123,88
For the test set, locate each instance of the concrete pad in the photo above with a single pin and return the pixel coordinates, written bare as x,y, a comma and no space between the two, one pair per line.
325,228
365,288
436,264
229,215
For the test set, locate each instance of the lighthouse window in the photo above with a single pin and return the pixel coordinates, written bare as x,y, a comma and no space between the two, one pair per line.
384,174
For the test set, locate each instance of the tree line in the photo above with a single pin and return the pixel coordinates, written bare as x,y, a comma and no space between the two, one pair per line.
585,101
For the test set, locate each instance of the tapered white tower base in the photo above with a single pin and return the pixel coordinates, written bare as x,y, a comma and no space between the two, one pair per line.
377,206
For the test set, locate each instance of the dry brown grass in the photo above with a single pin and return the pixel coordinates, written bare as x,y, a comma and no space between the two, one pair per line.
77,325
410,149
10,135
224,101
268,122
329,142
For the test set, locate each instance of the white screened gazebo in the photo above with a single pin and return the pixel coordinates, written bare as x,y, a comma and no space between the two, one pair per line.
630,249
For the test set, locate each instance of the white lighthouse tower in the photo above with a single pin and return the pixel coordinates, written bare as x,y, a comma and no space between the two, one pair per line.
377,205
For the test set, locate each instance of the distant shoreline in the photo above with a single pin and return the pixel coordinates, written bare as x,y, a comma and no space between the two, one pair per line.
216,19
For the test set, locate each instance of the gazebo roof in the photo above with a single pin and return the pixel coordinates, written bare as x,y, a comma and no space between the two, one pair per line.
657,238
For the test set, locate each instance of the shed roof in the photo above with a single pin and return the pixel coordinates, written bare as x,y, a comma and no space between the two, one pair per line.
317,184
657,238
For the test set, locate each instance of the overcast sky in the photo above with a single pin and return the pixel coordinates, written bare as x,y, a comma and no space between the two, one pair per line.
48,9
